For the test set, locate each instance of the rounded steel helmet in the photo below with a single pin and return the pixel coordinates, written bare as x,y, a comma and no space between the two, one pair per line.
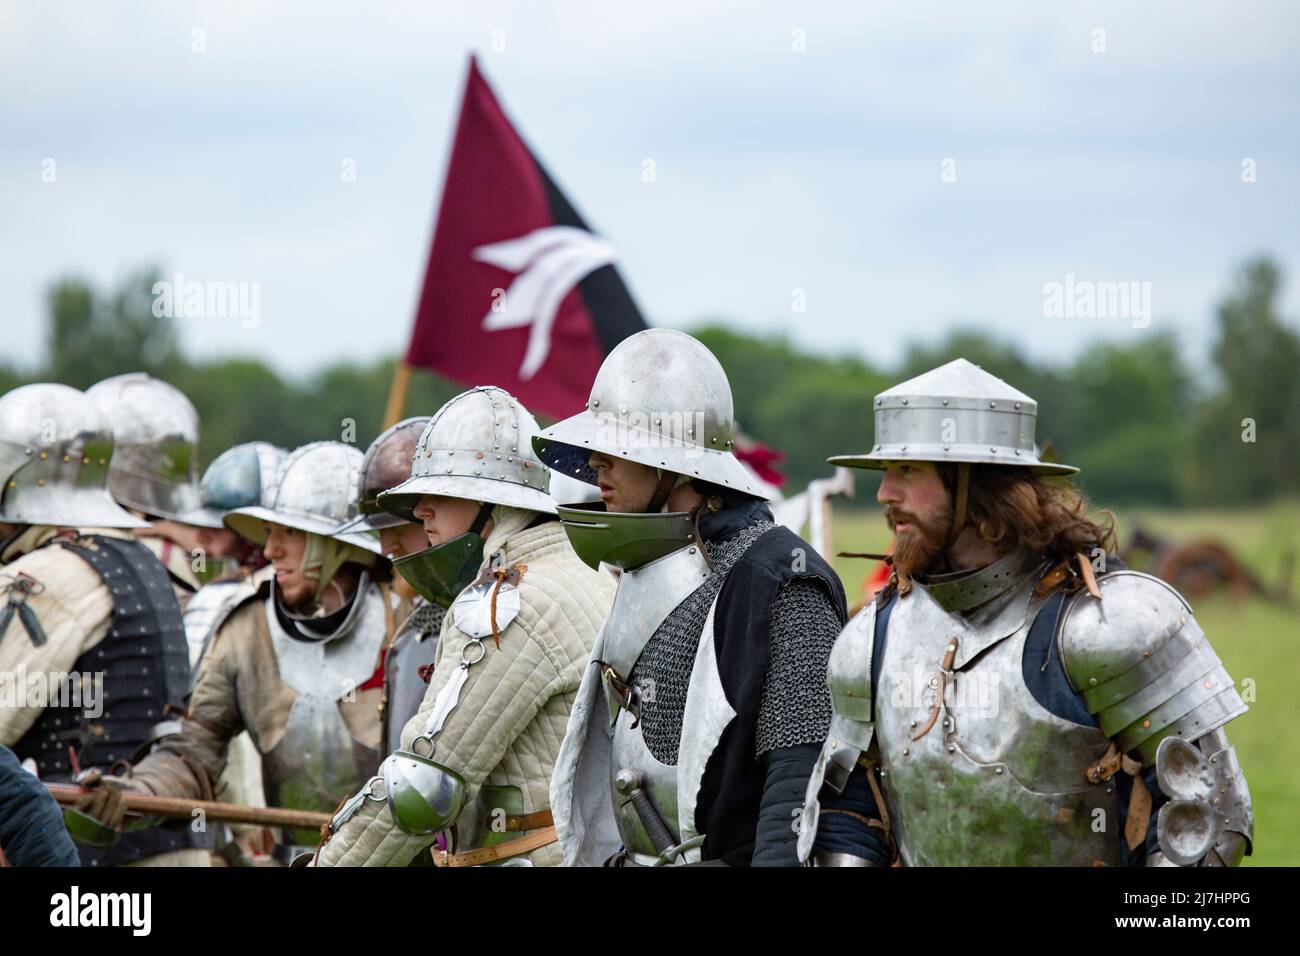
55,449
476,447
660,399
240,477
955,413
156,435
387,464
313,492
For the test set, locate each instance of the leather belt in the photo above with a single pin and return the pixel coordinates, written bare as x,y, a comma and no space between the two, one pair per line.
530,821
499,851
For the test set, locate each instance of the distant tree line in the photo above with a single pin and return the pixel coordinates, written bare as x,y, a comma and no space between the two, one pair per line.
1134,417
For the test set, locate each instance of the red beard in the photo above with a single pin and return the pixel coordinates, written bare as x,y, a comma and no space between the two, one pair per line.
922,546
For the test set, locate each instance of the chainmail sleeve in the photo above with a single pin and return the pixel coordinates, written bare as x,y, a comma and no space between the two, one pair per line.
796,704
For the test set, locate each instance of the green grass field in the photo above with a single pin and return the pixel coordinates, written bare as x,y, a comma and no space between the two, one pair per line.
1259,642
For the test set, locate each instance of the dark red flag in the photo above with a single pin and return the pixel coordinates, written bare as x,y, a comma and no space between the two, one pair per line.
518,292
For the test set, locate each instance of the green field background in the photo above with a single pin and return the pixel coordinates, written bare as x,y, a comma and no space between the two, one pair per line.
1259,641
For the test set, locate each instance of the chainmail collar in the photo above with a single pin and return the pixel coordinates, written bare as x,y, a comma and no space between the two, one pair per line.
425,618
965,590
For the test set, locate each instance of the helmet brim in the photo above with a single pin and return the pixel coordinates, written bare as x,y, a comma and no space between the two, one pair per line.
402,500
566,447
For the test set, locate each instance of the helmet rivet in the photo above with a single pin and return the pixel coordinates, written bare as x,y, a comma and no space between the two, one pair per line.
1017,452
945,447
595,403
85,461
1017,405
13,484
904,448
993,404
945,401
66,458
658,421
714,439
40,481
877,401
993,451
44,456
904,401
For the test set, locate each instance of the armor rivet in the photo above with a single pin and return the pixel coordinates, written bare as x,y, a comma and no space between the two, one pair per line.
904,401
906,751
1146,723
945,447
1092,681
595,403
993,451
993,404
714,439
692,551
952,749
997,769
914,723
103,461
904,448
44,456
1182,620
945,401
1017,452
66,458
1017,406
40,481
877,401
13,484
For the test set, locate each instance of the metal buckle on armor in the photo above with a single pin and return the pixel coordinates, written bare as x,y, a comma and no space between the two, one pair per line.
626,694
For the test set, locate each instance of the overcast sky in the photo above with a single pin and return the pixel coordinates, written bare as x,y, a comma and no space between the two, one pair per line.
776,169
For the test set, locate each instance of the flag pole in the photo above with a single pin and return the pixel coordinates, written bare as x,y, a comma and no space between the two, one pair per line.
397,395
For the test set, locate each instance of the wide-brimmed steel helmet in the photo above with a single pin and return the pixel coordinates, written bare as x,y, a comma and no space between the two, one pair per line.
660,399
240,477
314,491
387,464
955,413
477,447
156,437
55,449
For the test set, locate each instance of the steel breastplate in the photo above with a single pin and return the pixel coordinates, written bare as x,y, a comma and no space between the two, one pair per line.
317,762
998,779
643,601
404,688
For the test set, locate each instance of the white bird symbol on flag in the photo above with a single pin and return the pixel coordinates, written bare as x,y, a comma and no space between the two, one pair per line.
547,264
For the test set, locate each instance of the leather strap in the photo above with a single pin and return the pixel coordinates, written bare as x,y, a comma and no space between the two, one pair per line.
529,821
500,851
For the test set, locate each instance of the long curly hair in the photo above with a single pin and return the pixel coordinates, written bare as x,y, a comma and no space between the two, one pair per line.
1010,506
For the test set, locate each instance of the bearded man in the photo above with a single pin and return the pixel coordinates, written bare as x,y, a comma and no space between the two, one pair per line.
1013,696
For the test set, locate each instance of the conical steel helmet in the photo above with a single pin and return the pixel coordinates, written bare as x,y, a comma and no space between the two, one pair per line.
660,399
156,438
955,413
476,447
55,449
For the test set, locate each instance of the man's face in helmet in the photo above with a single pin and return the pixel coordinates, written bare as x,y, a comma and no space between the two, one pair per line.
218,543
625,486
918,509
445,518
403,539
285,548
